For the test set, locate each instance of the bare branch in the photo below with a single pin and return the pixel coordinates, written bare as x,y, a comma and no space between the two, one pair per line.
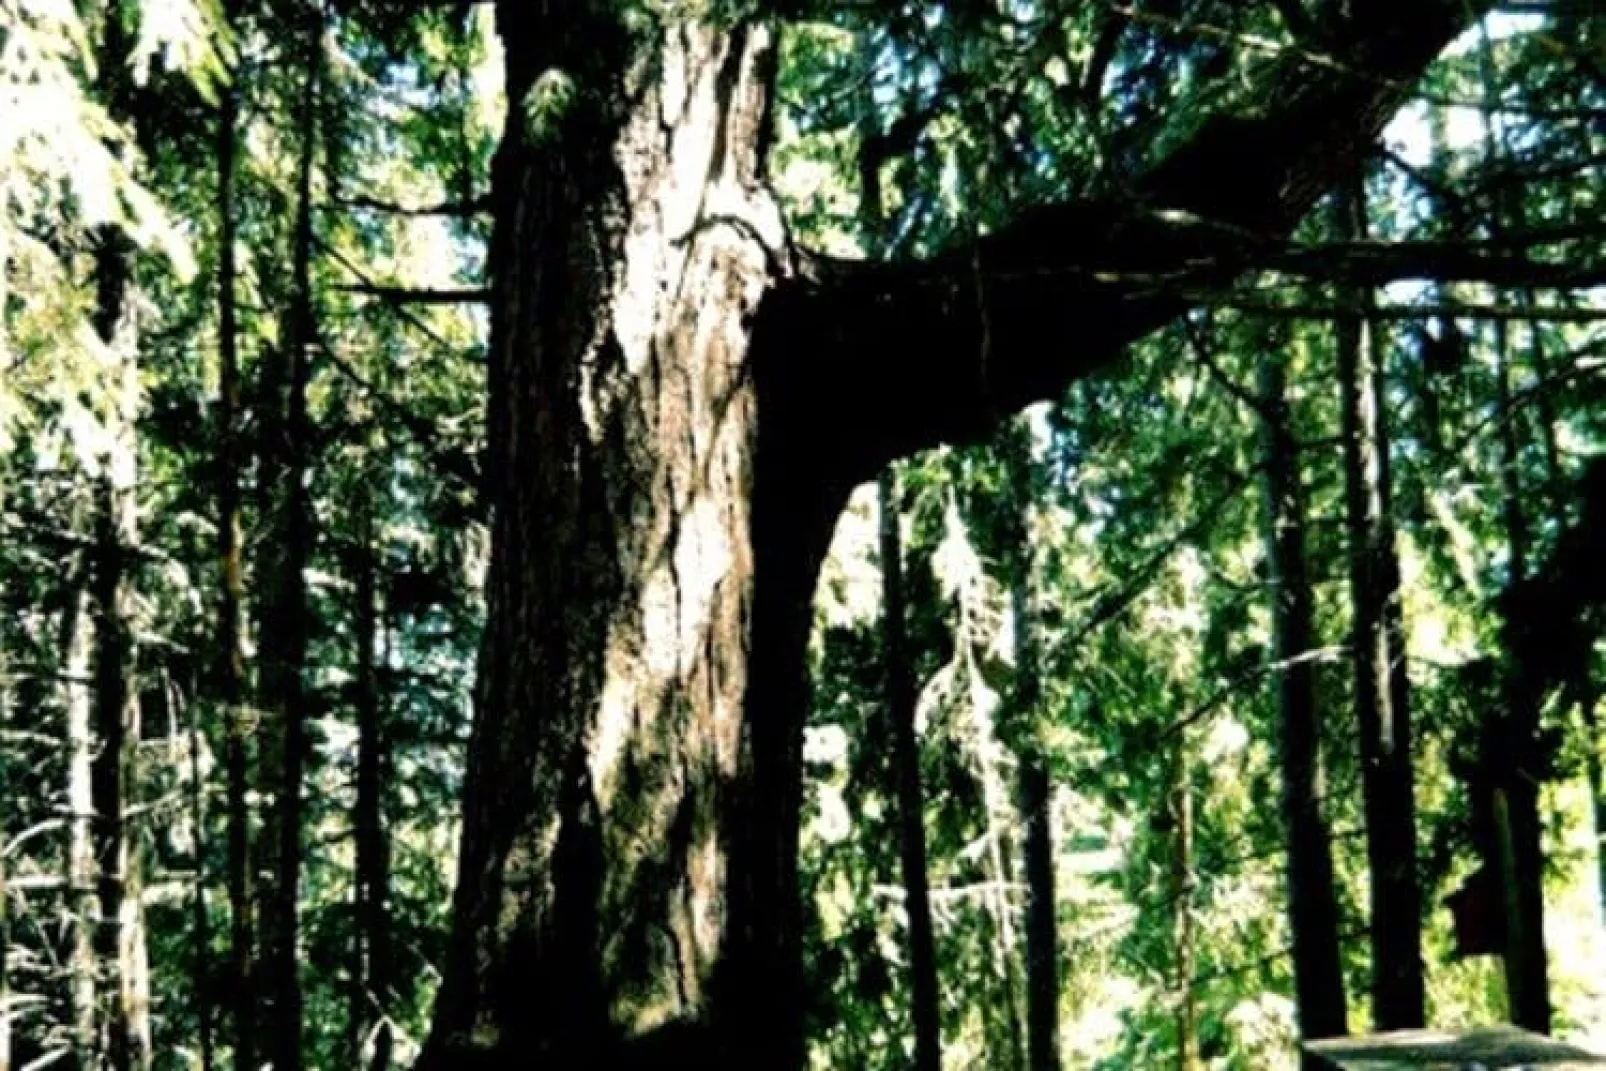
1199,341
454,209
408,295
402,310
1335,310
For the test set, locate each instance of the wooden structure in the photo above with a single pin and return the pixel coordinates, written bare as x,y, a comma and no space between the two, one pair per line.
1486,1049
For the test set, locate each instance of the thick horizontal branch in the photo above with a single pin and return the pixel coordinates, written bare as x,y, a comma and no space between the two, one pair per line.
917,353
408,295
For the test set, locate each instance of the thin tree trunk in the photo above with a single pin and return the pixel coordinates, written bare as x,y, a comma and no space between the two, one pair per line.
1042,945
899,683
1035,789
1182,886
1312,903
1000,814
201,925
1377,649
1005,944
1597,786
1513,758
900,698
116,697
5,832
373,850
1513,754
121,936
282,613
83,913
230,664
1513,747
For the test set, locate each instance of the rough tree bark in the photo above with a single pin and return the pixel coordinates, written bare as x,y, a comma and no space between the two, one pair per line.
1377,652
900,697
1312,903
230,680
628,878
282,614
679,401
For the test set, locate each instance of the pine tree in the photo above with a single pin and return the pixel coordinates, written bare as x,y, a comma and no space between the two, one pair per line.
1377,651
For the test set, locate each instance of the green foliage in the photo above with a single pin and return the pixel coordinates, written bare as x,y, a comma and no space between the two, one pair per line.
545,105
1144,570
1148,584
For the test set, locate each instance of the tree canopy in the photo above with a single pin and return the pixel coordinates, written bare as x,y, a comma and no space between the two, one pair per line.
1018,534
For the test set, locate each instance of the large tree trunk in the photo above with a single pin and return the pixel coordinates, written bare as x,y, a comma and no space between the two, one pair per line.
1377,650
900,694
627,889
1312,903
283,623
230,681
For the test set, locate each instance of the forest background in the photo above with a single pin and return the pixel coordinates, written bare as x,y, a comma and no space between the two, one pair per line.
1152,730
